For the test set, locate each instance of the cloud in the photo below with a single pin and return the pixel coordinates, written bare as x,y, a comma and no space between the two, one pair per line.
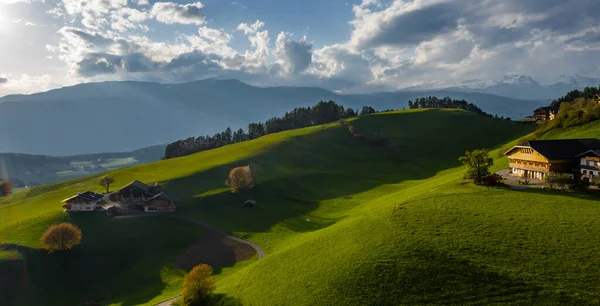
251,29
170,13
293,56
404,23
3,80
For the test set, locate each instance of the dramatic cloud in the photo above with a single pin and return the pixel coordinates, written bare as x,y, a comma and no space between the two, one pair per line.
169,13
294,56
389,44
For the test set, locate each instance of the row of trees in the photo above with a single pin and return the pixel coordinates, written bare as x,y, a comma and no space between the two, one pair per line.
586,93
322,112
446,102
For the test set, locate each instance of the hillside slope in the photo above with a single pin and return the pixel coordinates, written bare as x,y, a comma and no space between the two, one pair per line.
123,116
323,216
588,130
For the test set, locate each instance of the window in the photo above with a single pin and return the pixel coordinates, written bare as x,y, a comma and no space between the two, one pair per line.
591,163
149,208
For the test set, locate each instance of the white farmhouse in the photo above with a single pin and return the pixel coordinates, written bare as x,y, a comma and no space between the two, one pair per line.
86,201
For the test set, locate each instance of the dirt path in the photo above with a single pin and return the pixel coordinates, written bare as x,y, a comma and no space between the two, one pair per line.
257,248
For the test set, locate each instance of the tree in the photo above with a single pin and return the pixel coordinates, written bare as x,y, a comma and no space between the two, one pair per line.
367,110
106,181
61,237
5,188
198,285
241,179
478,164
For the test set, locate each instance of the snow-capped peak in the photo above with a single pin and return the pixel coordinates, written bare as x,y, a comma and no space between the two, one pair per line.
574,80
516,79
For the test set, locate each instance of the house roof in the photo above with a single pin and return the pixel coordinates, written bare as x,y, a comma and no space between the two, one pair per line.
589,152
543,109
561,148
162,195
88,195
137,184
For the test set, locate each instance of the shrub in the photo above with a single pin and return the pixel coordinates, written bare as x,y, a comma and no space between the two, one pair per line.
61,237
5,188
198,285
562,180
241,178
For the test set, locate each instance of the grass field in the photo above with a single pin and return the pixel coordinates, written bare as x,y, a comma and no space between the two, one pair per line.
347,223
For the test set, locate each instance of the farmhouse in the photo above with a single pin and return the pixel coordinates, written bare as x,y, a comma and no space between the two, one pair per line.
133,193
543,113
589,164
538,158
159,203
86,201
141,196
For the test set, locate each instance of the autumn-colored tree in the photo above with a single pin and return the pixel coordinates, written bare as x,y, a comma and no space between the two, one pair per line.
5,188
198,285
106,181
61,237
241,178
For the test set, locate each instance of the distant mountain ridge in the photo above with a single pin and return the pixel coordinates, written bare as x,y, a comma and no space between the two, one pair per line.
123,116
519,86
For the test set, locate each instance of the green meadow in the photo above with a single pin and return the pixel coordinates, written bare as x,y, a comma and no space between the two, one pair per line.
342,222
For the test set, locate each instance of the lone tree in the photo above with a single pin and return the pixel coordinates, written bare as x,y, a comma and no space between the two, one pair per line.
198,285
242,178
478,163
106,181
61,237
5,188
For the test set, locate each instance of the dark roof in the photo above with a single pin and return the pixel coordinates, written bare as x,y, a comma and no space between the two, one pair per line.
137,184
563,148
164,196
595,152
545,109
88,195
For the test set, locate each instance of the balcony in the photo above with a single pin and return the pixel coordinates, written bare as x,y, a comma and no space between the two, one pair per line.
528,167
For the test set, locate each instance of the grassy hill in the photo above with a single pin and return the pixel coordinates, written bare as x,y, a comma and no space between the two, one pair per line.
588,130
345,222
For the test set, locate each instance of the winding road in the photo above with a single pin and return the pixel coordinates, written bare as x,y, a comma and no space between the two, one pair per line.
259,251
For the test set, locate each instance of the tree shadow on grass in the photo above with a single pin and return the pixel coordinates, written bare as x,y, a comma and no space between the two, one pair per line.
425,277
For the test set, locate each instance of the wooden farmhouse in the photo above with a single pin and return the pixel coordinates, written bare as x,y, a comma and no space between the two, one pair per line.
86,201
141,196
543,114
538,158
160,203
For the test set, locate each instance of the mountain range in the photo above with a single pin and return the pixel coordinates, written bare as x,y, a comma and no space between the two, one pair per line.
518,86
124,116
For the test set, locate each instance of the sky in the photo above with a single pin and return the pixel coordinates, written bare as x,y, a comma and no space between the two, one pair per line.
342,45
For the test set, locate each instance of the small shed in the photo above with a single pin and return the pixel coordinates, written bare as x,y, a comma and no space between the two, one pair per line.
250,203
